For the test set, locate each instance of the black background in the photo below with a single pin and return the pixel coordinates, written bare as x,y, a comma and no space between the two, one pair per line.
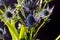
51,29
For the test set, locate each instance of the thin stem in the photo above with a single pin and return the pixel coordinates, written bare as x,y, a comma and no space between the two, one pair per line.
44,5
20,3
20,19
40,26
41,4
5,7
22,10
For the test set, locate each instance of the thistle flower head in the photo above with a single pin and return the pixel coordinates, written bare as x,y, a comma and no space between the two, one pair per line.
30,20
32,4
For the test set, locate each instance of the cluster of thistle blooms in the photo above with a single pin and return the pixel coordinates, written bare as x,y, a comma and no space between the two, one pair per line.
32,12
35,11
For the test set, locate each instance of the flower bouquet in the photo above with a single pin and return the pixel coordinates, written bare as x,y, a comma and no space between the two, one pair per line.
31,16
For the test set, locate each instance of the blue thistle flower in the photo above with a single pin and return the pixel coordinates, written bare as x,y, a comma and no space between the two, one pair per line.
44,13
32,4
30,21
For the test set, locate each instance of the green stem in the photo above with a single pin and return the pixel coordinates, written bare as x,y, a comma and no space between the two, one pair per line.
41,4
40,27
44,5
5,7
19,17
12,29
19,6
